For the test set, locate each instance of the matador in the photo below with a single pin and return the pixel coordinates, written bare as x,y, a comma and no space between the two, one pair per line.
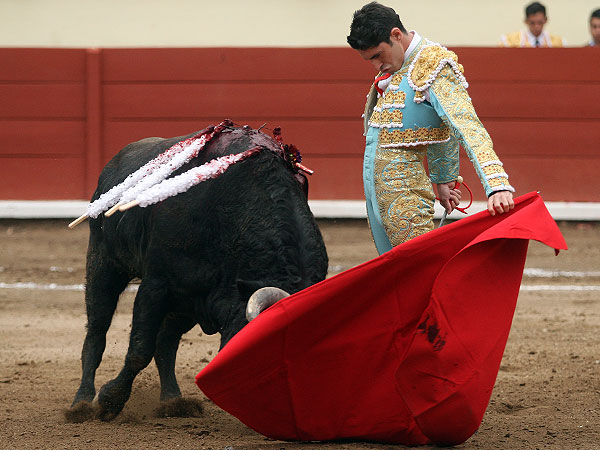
418,108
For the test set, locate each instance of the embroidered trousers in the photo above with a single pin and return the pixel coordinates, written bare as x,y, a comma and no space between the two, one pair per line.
398,192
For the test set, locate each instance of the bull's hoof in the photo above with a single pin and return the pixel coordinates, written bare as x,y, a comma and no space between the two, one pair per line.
80,412
180,407
111,400
85,393
106,415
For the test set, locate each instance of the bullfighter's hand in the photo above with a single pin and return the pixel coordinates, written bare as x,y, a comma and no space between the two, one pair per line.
448,195
500,202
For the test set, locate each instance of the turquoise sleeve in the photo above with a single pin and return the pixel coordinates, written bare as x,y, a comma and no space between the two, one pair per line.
443,161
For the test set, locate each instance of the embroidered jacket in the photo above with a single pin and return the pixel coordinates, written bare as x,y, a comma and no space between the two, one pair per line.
426,103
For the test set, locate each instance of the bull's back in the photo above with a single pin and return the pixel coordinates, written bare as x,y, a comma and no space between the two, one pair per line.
254,218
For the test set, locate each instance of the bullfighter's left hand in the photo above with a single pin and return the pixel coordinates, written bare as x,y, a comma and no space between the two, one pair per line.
501,202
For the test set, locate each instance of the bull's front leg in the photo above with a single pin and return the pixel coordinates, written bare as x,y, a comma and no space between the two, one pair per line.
167,343
149,310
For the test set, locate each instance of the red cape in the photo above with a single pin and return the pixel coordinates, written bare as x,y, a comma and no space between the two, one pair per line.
404,348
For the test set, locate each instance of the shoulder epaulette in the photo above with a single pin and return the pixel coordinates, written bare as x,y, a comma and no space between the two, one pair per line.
427,65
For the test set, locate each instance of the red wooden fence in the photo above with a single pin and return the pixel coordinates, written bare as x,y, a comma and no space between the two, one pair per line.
65,112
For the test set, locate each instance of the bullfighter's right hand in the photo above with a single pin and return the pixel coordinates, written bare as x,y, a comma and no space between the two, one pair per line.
449,196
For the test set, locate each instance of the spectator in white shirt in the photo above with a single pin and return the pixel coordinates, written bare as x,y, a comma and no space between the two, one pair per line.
534,35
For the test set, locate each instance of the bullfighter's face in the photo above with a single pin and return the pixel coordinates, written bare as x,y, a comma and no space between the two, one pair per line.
386,57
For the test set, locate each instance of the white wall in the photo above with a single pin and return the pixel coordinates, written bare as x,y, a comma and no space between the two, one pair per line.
305,23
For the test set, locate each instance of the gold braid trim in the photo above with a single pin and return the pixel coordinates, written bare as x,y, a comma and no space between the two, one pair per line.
412,137
427,66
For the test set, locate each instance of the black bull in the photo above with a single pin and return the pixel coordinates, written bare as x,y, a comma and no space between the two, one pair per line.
199,255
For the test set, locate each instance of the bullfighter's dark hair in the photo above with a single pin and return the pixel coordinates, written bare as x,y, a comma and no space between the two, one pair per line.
534,8
372,25
595,14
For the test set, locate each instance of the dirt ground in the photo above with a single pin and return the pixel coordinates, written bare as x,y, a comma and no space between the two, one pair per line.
547,394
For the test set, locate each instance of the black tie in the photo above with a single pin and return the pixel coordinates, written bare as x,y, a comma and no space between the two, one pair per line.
537,42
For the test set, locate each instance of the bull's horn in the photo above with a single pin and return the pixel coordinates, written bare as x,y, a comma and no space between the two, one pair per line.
262,299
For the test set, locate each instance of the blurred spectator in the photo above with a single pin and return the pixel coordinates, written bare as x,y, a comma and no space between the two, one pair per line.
595,29
534,35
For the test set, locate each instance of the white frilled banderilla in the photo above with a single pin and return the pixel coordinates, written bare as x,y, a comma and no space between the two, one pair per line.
154,173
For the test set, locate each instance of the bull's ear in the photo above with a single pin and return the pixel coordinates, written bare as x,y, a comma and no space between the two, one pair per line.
303,182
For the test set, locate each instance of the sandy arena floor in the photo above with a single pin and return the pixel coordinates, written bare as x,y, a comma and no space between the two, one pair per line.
547,394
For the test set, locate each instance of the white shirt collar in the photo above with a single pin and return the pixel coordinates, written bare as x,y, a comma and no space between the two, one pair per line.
543,38
413,44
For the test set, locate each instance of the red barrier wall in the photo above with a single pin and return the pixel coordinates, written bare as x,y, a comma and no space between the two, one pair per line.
65,112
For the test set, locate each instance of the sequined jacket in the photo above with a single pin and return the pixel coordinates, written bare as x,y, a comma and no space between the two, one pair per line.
426,103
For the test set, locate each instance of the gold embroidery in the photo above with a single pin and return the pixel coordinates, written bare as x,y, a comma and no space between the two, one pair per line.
388,116
410,136
394,97
428,63
404,194
462,117
443,161
397,78
375,117
391,116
